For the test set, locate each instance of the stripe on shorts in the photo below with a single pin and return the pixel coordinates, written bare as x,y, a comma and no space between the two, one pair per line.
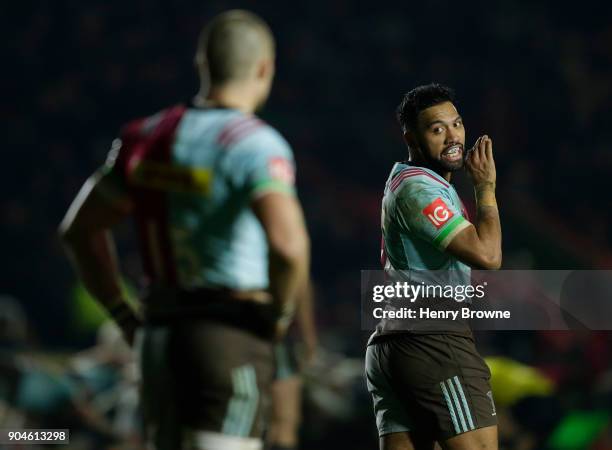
251,412
451,388
466,408
231,423
242,407
451,410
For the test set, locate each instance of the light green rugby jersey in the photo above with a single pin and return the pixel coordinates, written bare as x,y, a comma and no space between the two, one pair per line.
217,239
421,214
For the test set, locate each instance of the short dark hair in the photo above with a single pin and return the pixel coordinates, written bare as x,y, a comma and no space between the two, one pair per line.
420,98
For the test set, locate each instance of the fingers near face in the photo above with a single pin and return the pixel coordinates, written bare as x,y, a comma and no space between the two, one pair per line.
477,143
482,150
482,146
475,153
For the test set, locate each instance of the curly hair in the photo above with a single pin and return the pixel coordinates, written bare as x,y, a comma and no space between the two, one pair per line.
420,98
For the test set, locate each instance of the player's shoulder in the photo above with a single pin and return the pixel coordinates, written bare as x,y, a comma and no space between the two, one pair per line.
142,127
249,133
408,180
135,131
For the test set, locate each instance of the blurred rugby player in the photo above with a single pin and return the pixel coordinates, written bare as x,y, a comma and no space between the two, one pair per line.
223,242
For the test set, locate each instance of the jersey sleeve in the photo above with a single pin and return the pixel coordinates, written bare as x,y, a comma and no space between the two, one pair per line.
262,162
429,213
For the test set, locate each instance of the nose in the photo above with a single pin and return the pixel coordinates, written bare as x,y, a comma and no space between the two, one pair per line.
452,135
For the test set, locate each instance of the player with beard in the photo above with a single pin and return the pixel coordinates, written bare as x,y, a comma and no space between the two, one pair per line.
430,385
223,241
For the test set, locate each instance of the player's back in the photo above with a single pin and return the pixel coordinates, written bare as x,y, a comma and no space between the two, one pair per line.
192,174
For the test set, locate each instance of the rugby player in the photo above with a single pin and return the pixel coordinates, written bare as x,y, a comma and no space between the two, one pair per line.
431,385
223,241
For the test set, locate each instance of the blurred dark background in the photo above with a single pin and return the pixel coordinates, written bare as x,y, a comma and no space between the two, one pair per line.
535,76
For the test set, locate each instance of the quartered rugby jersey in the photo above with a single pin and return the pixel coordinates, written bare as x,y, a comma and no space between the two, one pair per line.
421,214
192,174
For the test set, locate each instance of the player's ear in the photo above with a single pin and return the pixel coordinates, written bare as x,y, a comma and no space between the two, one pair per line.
413,145
201,65
410,139
200,62
265,68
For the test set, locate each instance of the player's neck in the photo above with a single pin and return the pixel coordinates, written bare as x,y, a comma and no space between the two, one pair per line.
229,96
444,174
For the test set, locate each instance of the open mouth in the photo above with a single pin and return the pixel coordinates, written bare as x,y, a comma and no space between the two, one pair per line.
453,153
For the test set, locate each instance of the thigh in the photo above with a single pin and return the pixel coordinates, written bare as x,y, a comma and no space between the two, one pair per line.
158,397
390,411
406,441
223,376
482,439
467,391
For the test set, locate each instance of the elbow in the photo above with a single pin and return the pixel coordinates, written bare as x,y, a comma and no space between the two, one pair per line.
64,233
291,251
67,233
492,262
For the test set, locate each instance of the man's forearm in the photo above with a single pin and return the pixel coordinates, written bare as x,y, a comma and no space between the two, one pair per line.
94,258
90,246
288,273
305,316
93,255
488,224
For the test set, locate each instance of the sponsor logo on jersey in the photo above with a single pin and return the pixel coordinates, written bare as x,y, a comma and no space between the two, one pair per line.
438,213
282,170
165,177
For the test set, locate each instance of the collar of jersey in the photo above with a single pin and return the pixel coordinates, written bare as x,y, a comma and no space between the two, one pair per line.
406,165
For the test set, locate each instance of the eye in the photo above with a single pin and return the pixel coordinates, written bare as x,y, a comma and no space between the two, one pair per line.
458,124
437,130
